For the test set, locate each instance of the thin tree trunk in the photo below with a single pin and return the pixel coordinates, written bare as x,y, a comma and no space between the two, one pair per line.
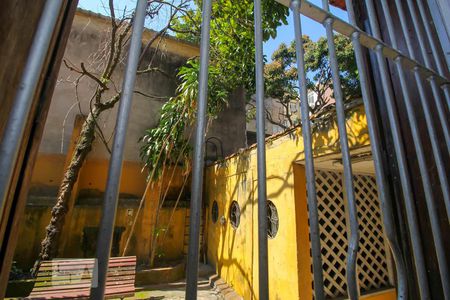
155,233
49,246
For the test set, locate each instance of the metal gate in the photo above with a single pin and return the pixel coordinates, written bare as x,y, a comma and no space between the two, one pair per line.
429,73
432,72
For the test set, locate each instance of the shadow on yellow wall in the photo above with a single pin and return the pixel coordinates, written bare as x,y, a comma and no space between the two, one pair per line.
234,252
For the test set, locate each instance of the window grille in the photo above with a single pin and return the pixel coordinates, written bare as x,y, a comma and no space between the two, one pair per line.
214,211
235,214
372,264
272,220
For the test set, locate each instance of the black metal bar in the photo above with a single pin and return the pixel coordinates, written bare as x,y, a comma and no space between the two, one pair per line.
198,163
14,130
263,275
106,230
314,230
352,251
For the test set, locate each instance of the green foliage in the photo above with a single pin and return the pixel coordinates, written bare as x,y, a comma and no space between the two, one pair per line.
281,74
232,36
232,53
317,62
168,143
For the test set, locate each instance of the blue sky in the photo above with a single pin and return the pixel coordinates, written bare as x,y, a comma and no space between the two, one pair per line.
285,33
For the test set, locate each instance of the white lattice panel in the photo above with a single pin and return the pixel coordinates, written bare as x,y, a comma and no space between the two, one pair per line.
372,261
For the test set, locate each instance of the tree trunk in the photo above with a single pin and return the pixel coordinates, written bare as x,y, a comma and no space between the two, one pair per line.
49,246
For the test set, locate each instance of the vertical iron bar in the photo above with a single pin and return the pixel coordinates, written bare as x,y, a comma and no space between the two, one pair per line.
352,252
434,85
434,49
261,156
429,33
198,163
309,160
430,201
110,201
19,115
440,166
400,153
386,201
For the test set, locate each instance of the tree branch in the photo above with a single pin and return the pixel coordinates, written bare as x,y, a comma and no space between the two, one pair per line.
150,70
83,71
151,96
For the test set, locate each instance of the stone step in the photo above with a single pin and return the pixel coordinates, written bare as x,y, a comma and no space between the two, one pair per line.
223,288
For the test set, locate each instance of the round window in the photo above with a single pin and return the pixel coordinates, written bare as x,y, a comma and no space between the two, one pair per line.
235,214
215,212
272,220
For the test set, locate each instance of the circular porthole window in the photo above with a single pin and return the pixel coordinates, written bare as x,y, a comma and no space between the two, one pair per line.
272,220
215,211
235,214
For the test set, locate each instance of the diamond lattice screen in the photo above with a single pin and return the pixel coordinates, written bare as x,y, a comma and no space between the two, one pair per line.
372,259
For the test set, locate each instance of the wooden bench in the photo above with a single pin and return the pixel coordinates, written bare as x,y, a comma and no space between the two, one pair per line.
72,278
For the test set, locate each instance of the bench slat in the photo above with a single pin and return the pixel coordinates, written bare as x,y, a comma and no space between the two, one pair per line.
78,261
61,269
82,285
84,292
72,278
85,295
116,258
66,261
54,283
82,276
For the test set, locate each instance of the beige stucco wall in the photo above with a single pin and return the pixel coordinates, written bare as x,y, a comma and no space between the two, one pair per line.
86,43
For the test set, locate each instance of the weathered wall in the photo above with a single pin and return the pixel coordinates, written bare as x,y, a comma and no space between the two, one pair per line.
234,252
87,36
87,39
86,42
86,216
229,127
88,207
88,193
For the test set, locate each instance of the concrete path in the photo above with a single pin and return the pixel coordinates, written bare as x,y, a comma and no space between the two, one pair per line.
176,291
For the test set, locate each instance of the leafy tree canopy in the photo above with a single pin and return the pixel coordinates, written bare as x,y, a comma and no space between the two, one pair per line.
281,74
231,65
232,49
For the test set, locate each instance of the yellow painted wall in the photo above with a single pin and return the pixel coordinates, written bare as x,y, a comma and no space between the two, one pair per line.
48,174
48,169
95,172
36,219
234,252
